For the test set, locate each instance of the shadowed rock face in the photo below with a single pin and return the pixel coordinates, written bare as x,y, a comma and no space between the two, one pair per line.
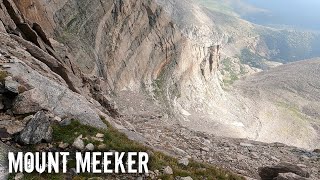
270,173
4,149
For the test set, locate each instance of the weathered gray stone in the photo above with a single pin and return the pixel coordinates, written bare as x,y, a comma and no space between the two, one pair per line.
184,178
52,96
4,149
66,122
28,102
90,147
2,28
37,130
184,161
167,170
99,135
205,149
97,139
246,145
271,172
57,118
95,178
28,118
102,147
73,172
63,145
78,143
289,176
11,85
15,127
19,176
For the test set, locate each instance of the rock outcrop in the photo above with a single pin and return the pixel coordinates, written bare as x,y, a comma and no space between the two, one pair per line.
37,130
33,86
289,176
270,173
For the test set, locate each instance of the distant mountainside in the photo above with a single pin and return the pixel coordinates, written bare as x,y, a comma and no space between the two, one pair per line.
285,38
301,15
287,100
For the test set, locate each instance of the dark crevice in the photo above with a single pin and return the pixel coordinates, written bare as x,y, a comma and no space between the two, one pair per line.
12,13
29,34
49,60
210,62
151,16
37,28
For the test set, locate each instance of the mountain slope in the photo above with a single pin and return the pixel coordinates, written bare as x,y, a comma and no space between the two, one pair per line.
286,101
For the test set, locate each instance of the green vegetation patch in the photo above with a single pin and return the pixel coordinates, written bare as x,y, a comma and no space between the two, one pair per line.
115,140
3,75
252,59
195,169
293,110
229,72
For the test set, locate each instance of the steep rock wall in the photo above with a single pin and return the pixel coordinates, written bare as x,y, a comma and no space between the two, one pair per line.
169,50
133,45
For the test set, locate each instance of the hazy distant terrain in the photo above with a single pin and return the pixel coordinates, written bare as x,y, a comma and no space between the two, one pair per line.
287,34
286,13
297,14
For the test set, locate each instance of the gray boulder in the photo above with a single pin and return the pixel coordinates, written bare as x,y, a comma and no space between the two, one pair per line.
4,150
78,143
37,130
19,176
89,147
289,176
28,102
11,85
184,161
53,96
183,178
167,170
272,172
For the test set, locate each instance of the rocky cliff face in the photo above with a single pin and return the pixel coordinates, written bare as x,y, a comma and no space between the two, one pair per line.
34,75
131,45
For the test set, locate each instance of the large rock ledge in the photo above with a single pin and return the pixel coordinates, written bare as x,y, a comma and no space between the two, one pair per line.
51,96
44,90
